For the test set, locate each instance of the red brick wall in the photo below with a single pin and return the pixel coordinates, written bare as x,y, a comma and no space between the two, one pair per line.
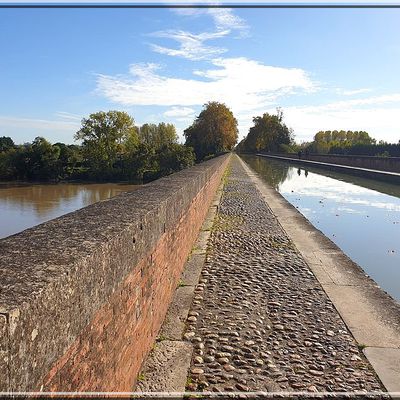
108,353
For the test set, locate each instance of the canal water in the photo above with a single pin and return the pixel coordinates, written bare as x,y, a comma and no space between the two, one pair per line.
361,216
22,207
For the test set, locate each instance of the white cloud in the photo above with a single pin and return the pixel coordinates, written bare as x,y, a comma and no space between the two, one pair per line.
245,85
225,19
68,116
379,116
191,46
40,124
383,99
344,92
180,112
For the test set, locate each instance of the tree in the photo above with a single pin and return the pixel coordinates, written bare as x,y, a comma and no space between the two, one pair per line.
69,160
214,130
268,133
159,135
174,157
339,142
6,143
43,157
104,135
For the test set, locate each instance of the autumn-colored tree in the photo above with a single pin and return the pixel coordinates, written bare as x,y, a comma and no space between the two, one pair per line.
213,131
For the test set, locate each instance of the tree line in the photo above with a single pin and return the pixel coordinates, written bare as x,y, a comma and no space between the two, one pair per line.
112,148
351,143
270,134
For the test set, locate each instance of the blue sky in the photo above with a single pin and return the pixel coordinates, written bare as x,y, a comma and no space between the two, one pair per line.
326,68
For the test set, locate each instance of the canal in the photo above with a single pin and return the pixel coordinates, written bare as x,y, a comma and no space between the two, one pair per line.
24,206
362,216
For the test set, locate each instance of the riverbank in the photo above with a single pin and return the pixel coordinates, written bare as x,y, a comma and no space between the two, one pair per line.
260,320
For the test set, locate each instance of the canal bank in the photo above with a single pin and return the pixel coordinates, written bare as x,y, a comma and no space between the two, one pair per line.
387,176
259,318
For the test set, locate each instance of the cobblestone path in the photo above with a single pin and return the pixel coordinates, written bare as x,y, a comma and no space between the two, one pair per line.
260,320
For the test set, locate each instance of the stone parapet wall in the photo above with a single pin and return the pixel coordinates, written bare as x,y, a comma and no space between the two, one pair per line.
83,296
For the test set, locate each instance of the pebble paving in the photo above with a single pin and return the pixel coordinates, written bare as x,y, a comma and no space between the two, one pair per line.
260,321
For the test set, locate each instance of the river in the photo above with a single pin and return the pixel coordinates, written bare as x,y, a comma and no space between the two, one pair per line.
24,206
362,216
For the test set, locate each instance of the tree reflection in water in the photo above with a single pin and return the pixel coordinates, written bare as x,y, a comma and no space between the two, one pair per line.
277,174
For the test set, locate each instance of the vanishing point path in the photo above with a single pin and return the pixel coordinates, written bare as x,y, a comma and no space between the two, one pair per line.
260,320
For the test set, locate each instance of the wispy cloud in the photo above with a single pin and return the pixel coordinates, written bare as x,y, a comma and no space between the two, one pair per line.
191,46
39,124
344,92
377,115
247,86
373,100
225,19
68,116
179,112
239,82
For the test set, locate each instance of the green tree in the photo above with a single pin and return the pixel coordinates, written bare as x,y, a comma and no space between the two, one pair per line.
268,133
339,141
174,157
43,157
6,144
214,130
103,136
69,160
157,136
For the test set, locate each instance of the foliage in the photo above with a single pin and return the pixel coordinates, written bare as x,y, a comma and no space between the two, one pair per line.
157,136
336,142
214,131
104,136
31,161
6,144
113,148
174,157
269,133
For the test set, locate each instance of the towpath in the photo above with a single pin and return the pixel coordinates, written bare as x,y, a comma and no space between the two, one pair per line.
260,320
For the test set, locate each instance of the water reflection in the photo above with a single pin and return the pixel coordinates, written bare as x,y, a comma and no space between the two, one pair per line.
361,216
25,206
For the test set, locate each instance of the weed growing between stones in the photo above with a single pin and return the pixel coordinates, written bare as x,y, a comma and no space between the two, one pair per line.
181,283
161,338
225,222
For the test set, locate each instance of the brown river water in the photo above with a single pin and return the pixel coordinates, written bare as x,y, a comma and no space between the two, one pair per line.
22,207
